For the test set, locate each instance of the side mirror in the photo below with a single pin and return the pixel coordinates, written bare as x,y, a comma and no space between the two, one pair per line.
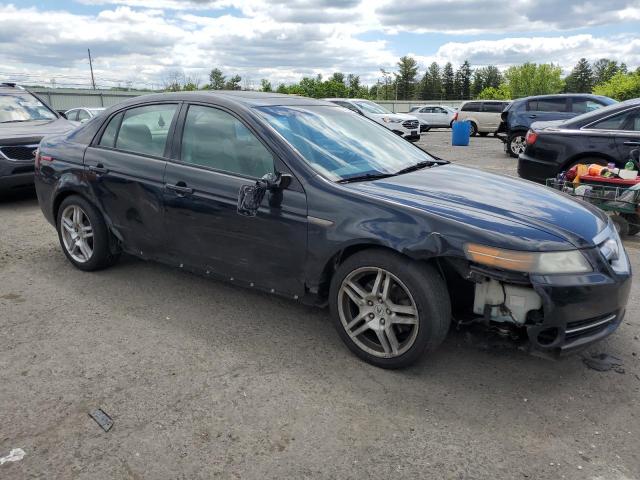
250,196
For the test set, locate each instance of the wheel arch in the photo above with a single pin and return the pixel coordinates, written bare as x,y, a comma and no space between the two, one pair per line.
583,155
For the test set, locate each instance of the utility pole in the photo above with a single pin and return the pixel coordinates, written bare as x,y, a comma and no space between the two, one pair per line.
93,81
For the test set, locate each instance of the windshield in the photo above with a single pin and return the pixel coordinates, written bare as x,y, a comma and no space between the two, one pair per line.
340,144
371,107
22,107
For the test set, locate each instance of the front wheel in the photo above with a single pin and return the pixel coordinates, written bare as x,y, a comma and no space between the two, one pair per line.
516,144
389,309
474,130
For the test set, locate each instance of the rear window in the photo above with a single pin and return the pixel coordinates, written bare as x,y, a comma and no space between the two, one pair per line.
471,107
547,105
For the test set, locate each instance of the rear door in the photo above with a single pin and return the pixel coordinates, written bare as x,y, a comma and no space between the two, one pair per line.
125,170
628,137
548,108
441,117
216,154
491,112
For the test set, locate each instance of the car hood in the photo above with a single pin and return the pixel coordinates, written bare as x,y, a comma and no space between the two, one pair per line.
505,204
399,116
11,133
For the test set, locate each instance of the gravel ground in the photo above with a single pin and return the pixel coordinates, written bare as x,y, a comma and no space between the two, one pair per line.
206,380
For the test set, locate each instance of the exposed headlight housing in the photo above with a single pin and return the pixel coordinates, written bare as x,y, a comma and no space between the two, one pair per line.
391,120
543,263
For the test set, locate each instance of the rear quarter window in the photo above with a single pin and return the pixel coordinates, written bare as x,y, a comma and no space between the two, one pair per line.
471,107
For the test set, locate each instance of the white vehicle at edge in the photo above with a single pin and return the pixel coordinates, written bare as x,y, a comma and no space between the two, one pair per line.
404,125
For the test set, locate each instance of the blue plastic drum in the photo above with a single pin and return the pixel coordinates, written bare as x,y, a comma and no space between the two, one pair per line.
460,132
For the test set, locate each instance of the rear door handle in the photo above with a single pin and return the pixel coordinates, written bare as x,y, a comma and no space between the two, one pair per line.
179,189
99,169
636,143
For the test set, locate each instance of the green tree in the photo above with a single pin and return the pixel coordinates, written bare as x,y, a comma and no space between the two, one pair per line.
337,77
406,77
233,83
265,85
353,86
622,86
190,86
463,81
580,80
216,79
448,82
493,93
431,85
533,79
603,70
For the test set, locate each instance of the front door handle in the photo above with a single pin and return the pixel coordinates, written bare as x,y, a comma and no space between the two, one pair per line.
180,188
532,116
632,143
99,169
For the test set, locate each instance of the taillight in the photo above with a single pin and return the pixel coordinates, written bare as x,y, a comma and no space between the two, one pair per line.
531,137
455,117
41,158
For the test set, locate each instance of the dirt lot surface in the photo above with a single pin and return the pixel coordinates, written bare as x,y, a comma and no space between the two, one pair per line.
206,380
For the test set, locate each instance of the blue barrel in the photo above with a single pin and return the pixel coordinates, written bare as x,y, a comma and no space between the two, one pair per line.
460,132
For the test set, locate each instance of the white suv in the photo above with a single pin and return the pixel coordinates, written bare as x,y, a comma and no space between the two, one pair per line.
484,115
407,126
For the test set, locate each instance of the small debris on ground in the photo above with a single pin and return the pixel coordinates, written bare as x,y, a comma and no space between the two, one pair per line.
15,455
603,362
101,419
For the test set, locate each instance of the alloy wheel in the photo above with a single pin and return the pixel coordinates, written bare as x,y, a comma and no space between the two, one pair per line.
378,312
77,233
517,145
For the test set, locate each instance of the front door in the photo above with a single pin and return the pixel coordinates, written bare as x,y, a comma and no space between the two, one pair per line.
216,155
628,137
125,169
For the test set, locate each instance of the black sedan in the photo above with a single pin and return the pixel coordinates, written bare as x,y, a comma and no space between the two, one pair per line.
605,135
310,201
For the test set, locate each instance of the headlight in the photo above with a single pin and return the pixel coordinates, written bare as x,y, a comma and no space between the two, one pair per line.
544,263
391,120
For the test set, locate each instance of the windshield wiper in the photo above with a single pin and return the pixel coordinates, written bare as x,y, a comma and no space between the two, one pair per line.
366,176
416,166
18,121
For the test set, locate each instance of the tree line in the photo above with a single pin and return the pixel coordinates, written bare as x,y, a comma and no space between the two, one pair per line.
604,77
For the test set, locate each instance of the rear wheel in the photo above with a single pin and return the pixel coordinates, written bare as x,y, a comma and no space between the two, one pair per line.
474,129
516,144
83,235
483,134
389,309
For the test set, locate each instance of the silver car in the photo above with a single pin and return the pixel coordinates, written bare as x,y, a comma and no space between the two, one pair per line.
433,116
82,114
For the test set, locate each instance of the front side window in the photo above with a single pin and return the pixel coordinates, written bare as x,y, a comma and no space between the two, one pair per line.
72,115
628,121
426,110
215,139
83,115
339,145
145,129
23,107
583,105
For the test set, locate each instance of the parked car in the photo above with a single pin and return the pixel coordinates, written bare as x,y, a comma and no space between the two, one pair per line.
82,114
608,134
433,116
521,113
303,199
407,126
24,120
484,115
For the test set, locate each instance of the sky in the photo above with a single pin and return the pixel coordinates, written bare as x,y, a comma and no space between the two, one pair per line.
143,43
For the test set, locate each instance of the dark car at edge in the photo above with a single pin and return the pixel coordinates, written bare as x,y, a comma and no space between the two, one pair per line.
24,120
606,135
518,117
310,201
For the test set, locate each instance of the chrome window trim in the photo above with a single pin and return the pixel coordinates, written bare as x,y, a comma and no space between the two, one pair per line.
603,130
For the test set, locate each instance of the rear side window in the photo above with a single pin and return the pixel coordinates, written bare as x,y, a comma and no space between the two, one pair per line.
471,107
628,121
215,139
109,135
584,105
495,107
72,115
547,105
145,129
83,115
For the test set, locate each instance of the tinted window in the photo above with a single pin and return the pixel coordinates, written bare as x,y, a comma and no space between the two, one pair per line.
72,115
427,110
629,120
493,107
215,139
145,129
83,115
548,105
347,105
471,107
109,135
439,110
584,105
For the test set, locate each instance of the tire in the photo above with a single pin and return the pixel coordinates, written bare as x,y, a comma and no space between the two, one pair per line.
474,130
426,129
621,224
413,317
483,134
515,144
451,124
633,220
74,229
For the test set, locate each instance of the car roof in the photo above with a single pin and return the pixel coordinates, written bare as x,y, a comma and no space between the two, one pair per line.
561,95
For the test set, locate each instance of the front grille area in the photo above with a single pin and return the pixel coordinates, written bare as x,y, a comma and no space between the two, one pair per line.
588,327
411,124
19,152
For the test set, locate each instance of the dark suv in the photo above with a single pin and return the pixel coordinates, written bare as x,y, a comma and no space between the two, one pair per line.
24,120
518,117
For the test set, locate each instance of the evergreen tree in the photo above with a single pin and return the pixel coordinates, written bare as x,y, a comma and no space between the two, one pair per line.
233,83
337,77
448,82
265,85
353,84
464,81
406,77
216,79
431,85
581,78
